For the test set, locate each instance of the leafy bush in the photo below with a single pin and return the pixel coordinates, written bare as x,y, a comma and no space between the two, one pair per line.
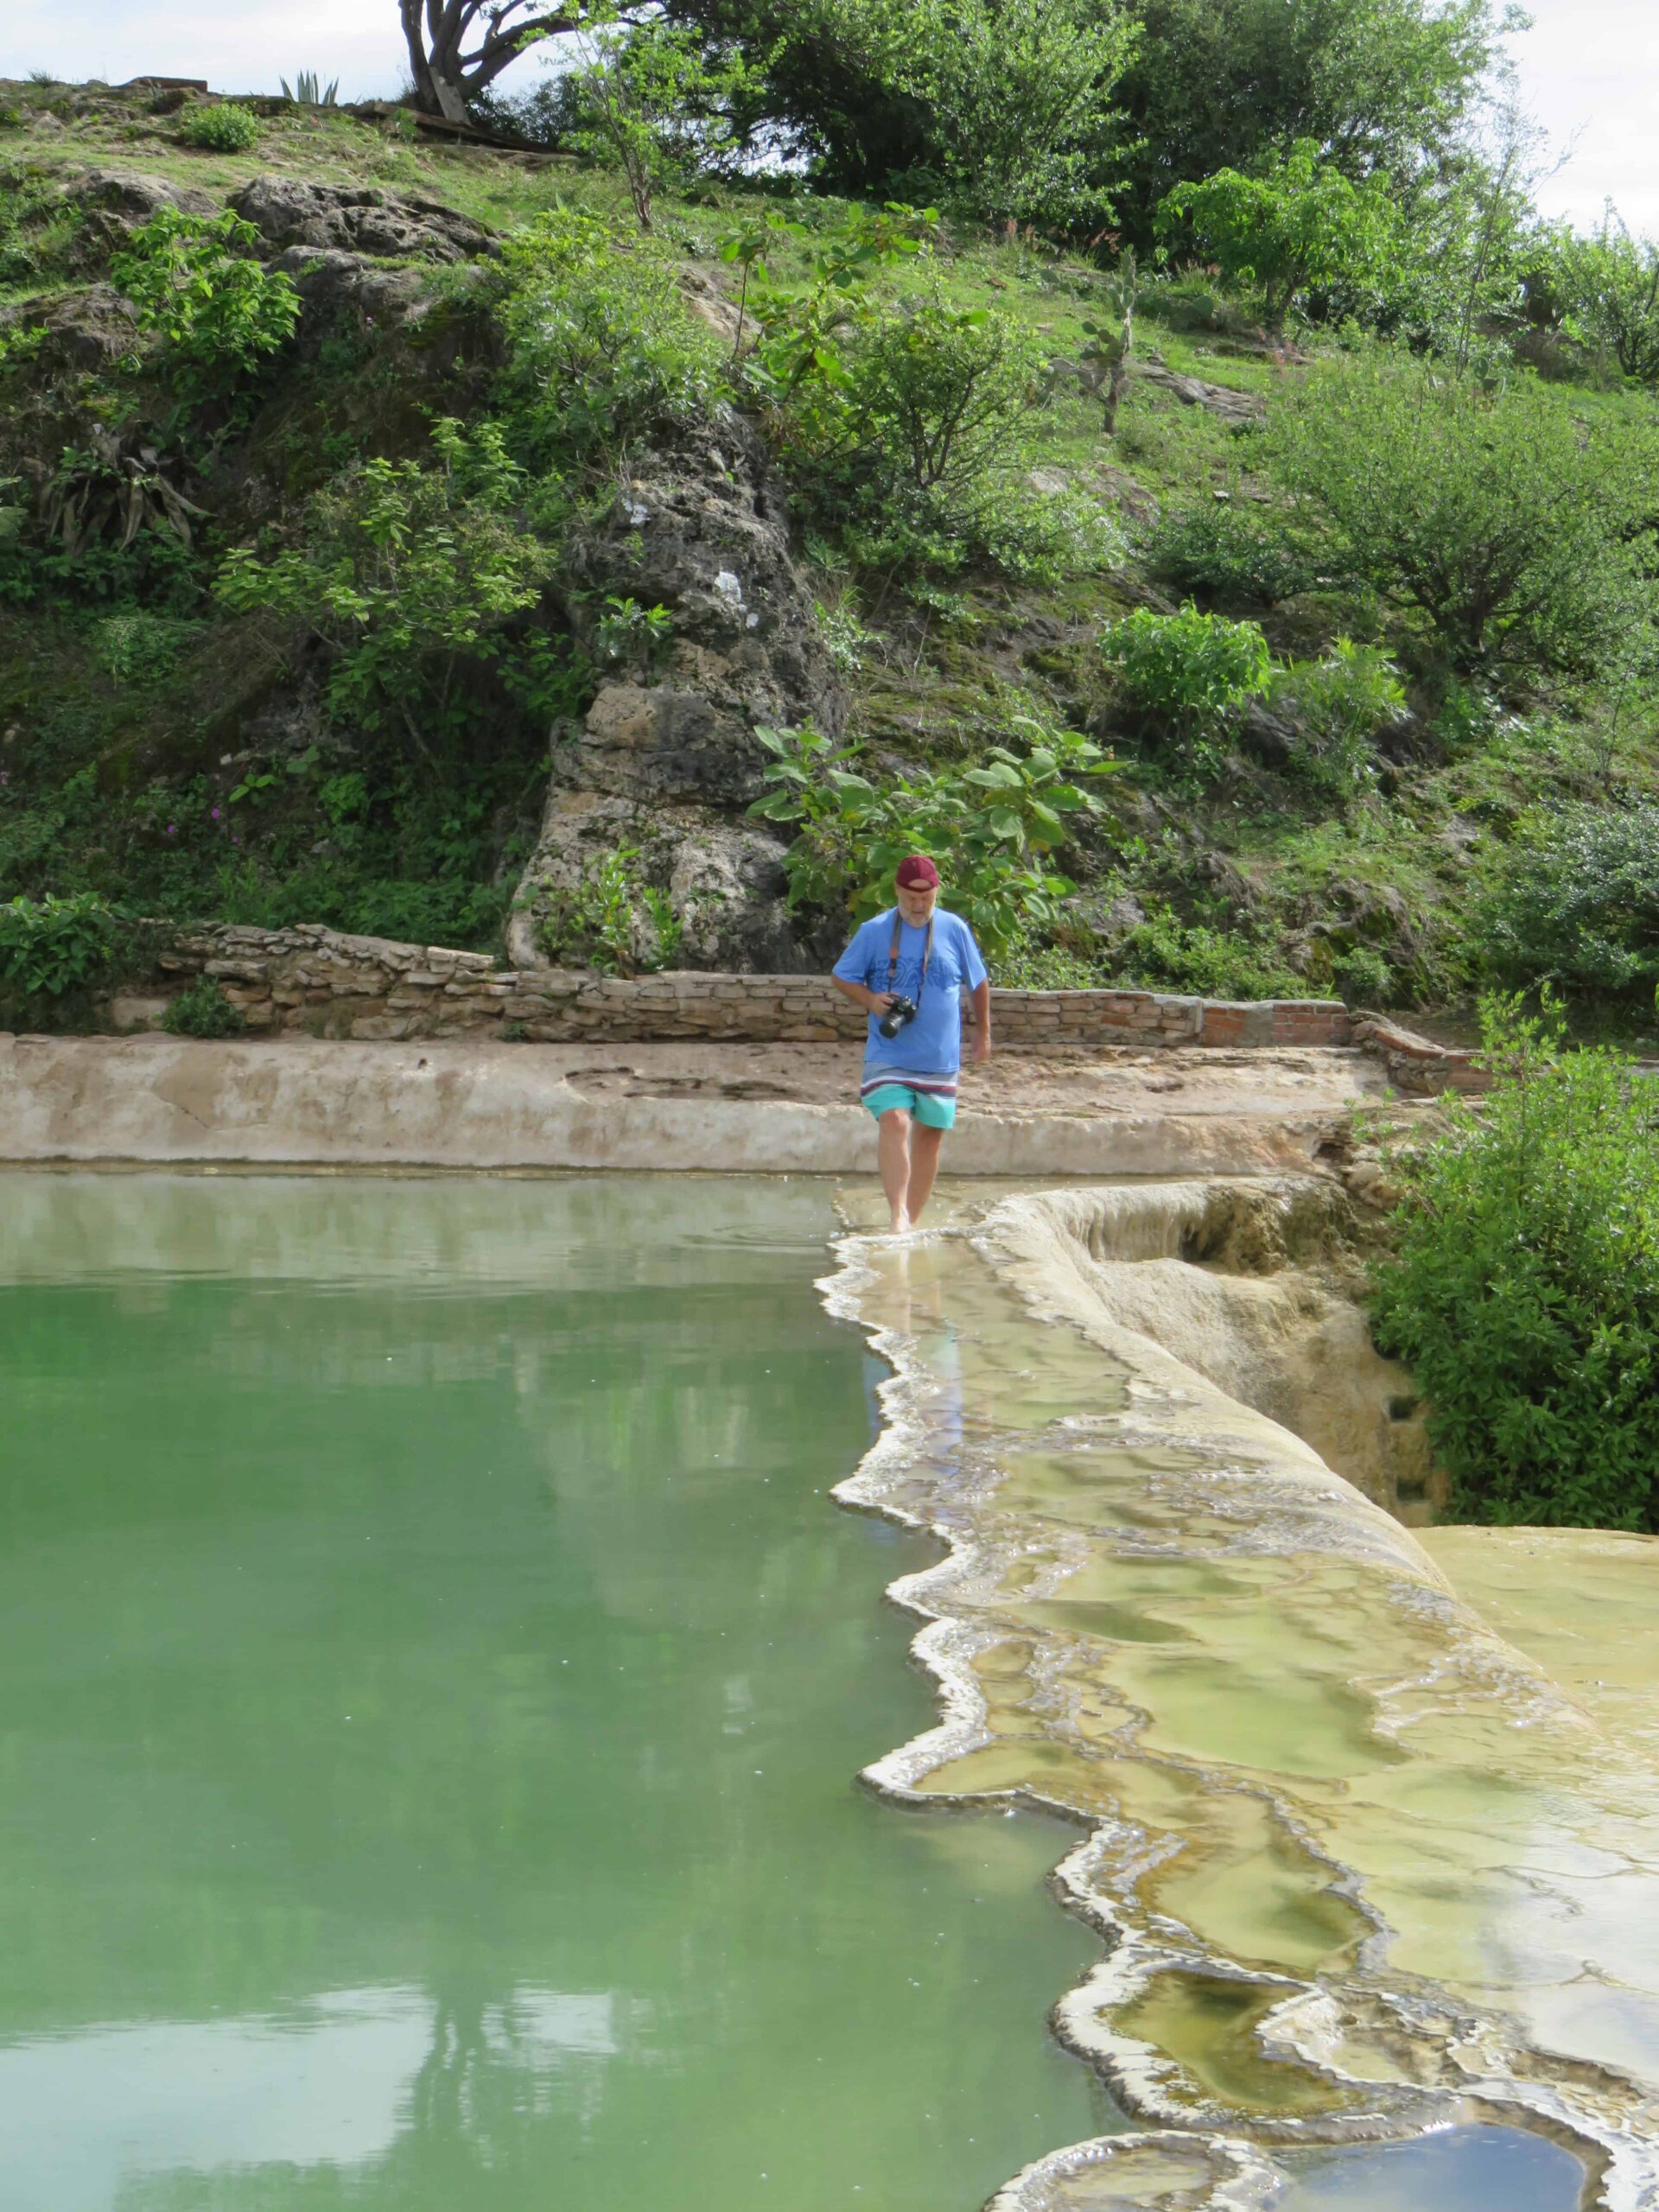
222,128
55,950
933,392
1295,221
1230,551
601,345
610,919
201,1009
912,450
133,647
1181,675
989,828
1025,964
195,281
1338,704
903,422
1519,538
1163,953
409,573
1188,664
1572,899
1608,284
1524,1288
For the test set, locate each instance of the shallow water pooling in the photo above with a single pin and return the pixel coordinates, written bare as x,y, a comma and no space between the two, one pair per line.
434,1673
1368,1872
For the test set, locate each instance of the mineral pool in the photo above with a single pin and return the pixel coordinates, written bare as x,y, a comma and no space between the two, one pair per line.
433,1674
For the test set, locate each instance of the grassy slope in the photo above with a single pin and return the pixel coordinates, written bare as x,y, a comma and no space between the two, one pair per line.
940,672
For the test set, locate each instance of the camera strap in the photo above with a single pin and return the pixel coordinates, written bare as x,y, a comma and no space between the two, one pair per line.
898,939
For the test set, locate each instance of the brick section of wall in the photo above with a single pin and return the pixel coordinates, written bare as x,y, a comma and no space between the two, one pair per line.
315,980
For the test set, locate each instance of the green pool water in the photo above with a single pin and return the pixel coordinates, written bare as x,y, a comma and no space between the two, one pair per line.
432,1674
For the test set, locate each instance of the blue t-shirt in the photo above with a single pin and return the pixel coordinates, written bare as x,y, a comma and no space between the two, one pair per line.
931,1045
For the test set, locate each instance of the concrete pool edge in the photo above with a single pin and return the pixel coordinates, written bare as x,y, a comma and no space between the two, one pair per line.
1029,1247
318,1103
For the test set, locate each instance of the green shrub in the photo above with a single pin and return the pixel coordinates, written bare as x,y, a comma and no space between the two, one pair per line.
201,1009
1181,674
1338,703
409,574
610,919
934,393
55,950
905,422
194,282
1572,899
133,647
221,128
1523,1289
1520,539
1163,953
1026,965
1232,551
601,345
989,828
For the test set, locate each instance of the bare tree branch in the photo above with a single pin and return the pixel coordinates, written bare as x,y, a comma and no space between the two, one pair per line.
446,78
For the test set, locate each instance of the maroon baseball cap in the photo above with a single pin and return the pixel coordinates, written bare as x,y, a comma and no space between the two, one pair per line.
916,873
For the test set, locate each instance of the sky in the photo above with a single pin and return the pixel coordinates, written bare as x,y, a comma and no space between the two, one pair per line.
1588,69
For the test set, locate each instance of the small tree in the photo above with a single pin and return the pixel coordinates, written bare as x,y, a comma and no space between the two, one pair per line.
1609,286
658,100
1019,99
1293,223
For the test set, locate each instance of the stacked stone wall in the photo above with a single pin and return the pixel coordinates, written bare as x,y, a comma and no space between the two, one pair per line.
317,981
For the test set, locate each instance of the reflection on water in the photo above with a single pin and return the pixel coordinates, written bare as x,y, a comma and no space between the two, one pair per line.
1461,2170
429,1692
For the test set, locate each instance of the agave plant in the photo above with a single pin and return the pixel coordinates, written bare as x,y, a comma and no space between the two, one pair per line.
113,489
305,90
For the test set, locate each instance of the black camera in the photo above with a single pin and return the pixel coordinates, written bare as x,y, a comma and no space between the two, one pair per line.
901,1011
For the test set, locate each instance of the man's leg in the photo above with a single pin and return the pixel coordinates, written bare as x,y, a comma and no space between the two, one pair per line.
924,1165
892,1153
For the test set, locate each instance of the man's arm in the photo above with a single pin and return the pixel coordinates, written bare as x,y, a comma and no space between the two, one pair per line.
981,1005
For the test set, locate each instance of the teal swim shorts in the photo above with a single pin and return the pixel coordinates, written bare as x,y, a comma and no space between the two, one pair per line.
931,1109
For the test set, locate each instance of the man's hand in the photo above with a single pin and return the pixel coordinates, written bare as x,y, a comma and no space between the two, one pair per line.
871,1001
981,1047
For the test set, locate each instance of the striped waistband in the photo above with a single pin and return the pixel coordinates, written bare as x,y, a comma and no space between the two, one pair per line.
928,1086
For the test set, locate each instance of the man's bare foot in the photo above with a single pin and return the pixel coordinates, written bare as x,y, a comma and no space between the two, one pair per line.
900,1222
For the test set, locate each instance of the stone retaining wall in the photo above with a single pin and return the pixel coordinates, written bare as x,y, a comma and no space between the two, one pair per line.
1416,1065
319,982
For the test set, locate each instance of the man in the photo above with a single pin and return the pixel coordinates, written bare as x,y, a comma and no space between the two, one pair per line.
918,954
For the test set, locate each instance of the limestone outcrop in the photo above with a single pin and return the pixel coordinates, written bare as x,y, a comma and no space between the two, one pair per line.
289,211
665,762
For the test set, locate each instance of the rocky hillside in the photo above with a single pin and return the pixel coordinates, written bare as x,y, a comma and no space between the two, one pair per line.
397,536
